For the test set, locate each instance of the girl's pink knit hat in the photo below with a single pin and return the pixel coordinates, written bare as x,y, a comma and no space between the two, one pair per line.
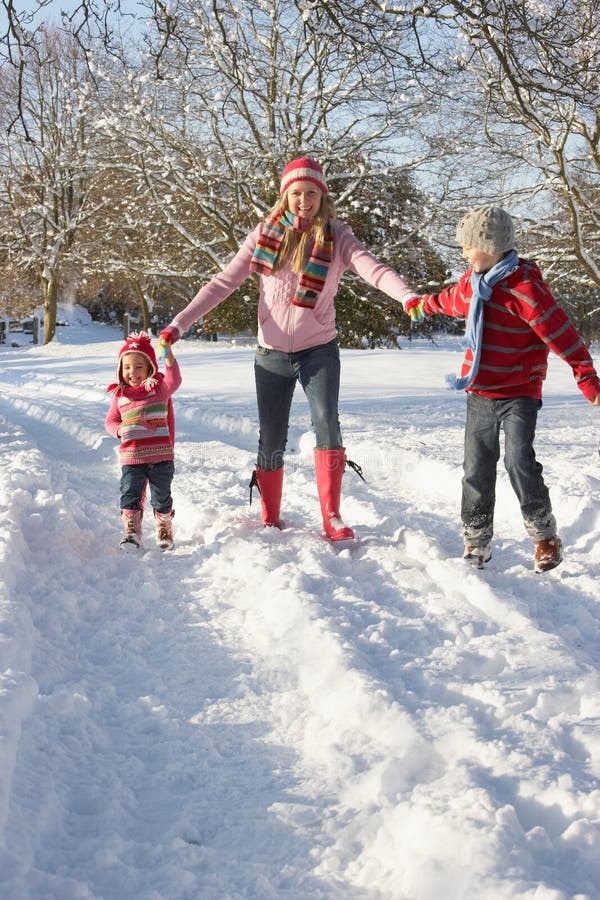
303,169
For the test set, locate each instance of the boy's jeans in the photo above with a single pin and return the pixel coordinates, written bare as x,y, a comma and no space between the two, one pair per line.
276,373
133,485
518,417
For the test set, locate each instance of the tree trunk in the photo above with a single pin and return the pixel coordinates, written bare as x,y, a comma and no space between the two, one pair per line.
50,291
143,306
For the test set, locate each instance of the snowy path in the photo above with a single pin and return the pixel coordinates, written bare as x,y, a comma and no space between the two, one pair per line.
259,715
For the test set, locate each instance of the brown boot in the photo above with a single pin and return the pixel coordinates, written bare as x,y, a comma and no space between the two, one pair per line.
132,529
481,554
548,554
164,529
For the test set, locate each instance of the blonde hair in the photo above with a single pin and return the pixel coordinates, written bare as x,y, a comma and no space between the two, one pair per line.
296,246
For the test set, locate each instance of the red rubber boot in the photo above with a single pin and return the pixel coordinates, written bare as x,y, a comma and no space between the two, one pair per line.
270,486
329,467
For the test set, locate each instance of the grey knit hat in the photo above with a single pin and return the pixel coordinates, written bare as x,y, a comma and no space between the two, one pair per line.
488,228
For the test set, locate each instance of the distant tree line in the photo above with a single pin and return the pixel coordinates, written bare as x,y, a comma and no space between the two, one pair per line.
137,149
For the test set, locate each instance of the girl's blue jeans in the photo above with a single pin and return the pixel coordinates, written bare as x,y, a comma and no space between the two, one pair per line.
158,475
276,373
517,417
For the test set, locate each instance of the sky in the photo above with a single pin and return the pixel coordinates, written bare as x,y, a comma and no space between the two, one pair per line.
133,12
262,714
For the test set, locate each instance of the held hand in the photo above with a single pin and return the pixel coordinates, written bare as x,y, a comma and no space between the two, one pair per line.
415,309
168,335
596,400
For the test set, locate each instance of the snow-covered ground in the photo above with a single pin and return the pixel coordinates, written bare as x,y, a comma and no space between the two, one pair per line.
258,714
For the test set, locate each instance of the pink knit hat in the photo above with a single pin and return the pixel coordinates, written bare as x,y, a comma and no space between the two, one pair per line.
138,342
303,169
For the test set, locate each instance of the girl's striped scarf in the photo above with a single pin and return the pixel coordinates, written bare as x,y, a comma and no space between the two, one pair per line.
312,279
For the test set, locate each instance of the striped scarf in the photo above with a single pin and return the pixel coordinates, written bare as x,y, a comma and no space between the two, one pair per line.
481,285
312,279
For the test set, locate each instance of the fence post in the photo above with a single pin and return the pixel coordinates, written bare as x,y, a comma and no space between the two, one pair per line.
125,326
35,330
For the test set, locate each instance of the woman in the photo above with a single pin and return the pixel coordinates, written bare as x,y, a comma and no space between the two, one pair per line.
299,253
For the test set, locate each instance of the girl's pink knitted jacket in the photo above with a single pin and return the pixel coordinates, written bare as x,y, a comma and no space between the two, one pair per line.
144,420
282,326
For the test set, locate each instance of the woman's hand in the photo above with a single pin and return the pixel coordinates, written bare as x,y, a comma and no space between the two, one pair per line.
168,335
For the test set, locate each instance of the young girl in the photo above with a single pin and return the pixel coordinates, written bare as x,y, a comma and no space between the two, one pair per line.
141,415
299,254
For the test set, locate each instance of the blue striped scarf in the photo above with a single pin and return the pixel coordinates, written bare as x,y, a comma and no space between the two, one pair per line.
481,284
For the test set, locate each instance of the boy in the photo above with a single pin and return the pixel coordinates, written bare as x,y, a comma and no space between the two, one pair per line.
513,321
141,415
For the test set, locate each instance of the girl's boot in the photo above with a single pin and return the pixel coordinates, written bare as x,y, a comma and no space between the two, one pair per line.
132,529
329,468
164,529
270,486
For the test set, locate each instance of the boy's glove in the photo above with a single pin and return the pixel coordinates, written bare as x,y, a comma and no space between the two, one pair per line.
415,309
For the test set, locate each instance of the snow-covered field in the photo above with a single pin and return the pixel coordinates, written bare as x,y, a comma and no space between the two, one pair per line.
258,714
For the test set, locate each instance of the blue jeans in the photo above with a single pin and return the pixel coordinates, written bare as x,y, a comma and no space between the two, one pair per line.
517,416
135,478
276,373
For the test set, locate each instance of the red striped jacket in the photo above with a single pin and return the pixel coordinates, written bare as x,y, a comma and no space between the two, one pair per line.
522,322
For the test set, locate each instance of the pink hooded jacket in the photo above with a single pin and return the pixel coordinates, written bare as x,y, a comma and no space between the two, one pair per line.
282,326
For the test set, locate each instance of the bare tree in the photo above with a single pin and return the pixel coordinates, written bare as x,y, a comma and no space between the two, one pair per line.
242,90
268,88
46,175
89,22
486,100
525,70
531,72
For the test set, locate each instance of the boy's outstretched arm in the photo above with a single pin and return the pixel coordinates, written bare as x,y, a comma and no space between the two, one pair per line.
451,301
